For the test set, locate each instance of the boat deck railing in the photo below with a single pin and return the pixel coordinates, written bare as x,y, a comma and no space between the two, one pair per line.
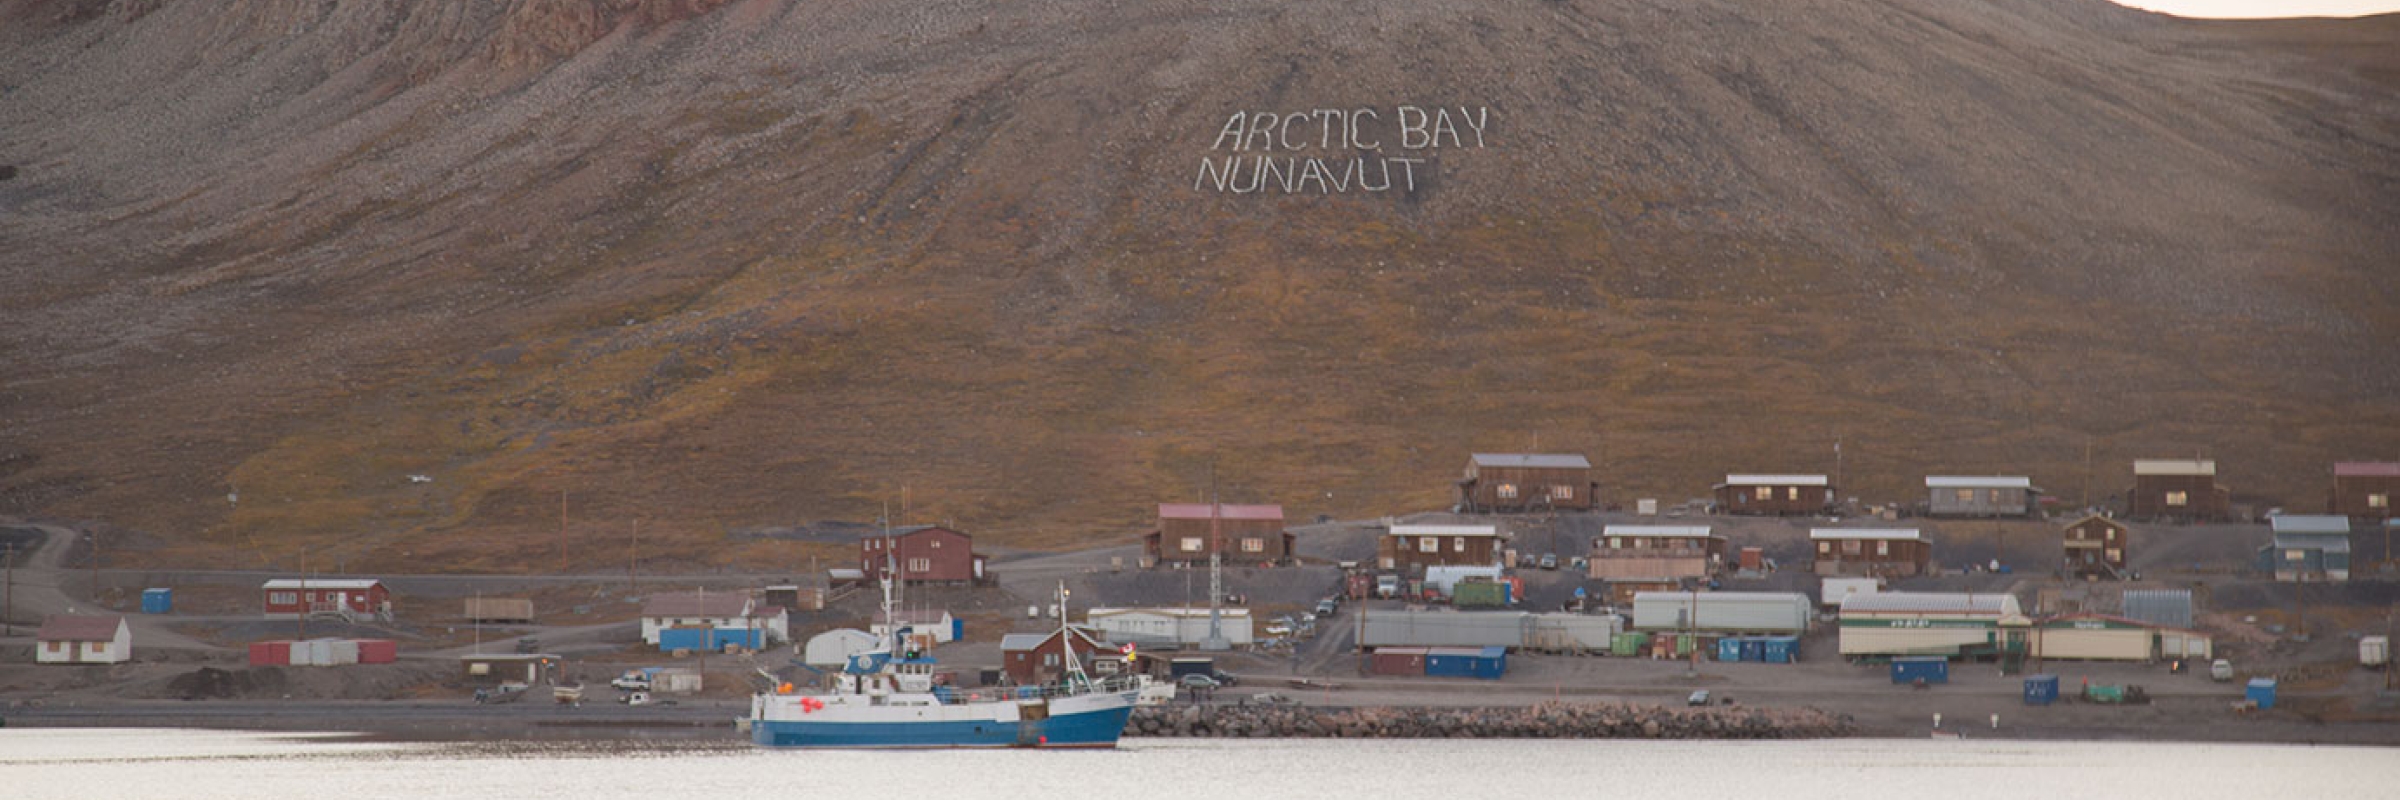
1117,683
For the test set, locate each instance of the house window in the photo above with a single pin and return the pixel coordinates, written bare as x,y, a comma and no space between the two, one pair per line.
1851,547
1049,659
2295,555
1616,543
920,565
1966,495
283,598
53,646
1191,544
1429,544
1883,548
2112,534
1458,544
2077,533
1254,545
1508,491
2178,498
934,544
1562,492
2115,555
99,648
2379,500
1766,493
1824,548
1792,493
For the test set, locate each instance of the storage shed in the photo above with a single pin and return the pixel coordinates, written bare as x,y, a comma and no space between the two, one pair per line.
834,648
1721,612
1970,496
83,639
2171,608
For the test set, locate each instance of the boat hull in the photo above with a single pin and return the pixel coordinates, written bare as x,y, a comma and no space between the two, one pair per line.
1096,723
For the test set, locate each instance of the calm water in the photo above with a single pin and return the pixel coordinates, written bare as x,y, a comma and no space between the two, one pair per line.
198,765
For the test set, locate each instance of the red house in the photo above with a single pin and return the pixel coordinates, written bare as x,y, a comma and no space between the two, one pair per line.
932,554
1032,659
348,598
1187,532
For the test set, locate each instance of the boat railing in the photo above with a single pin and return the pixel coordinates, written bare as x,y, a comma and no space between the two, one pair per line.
1116,683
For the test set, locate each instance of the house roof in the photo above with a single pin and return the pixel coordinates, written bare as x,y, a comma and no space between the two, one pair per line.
2328,542
1443,530
1972,482
1184,612
79,628
1200,511
2310,523
2165,466
696,604
2092,517
1533,460
1674,531
322,583
1938,602
2366,469
1775,480
1020,642
1834,534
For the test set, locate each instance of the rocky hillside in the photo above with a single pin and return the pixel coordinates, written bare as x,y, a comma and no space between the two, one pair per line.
721,266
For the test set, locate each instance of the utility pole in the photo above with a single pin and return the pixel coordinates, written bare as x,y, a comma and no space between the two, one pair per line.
1216,570
2087,472
633,560
95,567
305,605
562,531
8,599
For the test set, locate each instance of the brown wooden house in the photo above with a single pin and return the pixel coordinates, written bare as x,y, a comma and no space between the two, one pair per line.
2180,489
931,554
1031,659
1883,552
2096,545
1187,532
2364,489
1412,548
1518,482
1655,551
1774,495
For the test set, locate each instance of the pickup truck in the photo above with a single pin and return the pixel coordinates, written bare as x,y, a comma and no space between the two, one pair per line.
634,680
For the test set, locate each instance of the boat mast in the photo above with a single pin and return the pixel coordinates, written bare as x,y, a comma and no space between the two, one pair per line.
1074,673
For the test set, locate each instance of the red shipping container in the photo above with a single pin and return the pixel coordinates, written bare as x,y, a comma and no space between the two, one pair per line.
1754,558
1397,661
378,651
270,654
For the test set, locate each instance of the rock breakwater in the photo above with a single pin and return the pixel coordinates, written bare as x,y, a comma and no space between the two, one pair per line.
1554,720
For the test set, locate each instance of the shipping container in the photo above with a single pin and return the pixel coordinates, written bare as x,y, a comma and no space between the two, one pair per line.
2260,691
1487,663
1444,628
1729,649
1564,632
1754,649
1929,669
158,601
1628,644
1479,594
378,651
1754,559
712,639
1780,649
499,609
270,654
1397,661
1446,579
2041,690
1721,612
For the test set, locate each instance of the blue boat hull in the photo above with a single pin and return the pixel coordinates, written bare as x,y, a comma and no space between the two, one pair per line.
1099,728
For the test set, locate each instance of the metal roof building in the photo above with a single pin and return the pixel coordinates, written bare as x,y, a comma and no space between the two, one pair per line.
2169,607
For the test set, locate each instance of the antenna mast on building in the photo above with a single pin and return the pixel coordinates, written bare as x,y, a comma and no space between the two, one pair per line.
1216,570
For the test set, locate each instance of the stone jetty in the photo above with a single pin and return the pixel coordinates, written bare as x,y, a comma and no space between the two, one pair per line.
1552,720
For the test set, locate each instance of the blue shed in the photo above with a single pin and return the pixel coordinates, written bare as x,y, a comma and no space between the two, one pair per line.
709,638
1930,669
2261,691
1729,648
1488,663
158,601
958,629
1754,648
2041,690
1780,649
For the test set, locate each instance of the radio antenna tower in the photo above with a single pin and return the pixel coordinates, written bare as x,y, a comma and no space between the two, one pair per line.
1216,569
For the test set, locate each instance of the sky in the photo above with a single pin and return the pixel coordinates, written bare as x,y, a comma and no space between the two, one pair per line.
2267,8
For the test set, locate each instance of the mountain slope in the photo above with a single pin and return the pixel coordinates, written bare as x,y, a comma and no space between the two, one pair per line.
732,265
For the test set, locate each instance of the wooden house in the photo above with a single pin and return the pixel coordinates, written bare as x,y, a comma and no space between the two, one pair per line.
2096,545
1774,495
2364,489
1882,552
1032,659
83,639
1655,552
1521,482
2177,489
1188,532
1412,548
347,598
2308,548
1974,496
930,554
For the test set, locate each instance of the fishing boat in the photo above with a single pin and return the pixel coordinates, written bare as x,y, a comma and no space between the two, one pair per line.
886,698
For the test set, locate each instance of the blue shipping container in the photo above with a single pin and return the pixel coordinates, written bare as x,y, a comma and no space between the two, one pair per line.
1781,649
2041,690
958,629
709,638
1487,663
158,601
2261,691
1754,649
1729,649
1930,669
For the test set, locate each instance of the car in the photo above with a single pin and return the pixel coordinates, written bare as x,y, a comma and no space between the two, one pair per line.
1549,561
1699,698
1198,681
1223,677
1279,629
1327,608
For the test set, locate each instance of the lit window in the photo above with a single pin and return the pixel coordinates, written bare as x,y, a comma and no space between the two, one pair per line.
53,646
1616,543
2115,555
1049,659
1792,493
1508,491
2380,500
2112,534
1883,548
934,544
1562,492
1191,544
1824,548
1766,493
2178,498
99,647
1851,547
920,564
1966,495
1458,544
1429,544
1254,545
